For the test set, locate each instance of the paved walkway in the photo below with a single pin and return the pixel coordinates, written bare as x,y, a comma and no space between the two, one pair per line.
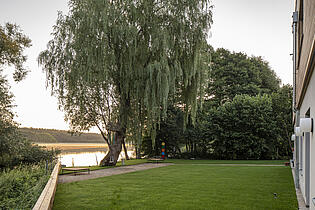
299,195
109,172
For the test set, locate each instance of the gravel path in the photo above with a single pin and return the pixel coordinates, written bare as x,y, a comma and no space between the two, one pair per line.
109,172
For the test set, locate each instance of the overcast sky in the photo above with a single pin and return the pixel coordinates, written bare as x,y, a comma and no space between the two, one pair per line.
255,27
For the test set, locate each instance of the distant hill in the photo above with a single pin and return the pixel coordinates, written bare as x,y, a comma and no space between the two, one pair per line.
39,135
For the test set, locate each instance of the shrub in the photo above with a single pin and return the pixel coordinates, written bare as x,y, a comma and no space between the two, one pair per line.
21,187
22,151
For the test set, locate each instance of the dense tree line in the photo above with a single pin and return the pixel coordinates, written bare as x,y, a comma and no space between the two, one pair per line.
246,114
42,135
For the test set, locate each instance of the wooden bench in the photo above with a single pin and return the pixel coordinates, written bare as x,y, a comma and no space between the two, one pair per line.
156,160
75,170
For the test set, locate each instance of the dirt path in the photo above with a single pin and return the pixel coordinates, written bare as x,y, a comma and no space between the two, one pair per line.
109,172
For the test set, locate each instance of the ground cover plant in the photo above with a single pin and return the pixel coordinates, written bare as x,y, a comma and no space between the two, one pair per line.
21,187
184,186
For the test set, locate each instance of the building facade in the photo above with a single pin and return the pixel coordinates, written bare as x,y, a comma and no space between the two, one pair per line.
304,98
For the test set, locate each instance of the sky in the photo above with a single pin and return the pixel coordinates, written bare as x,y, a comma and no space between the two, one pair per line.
255,27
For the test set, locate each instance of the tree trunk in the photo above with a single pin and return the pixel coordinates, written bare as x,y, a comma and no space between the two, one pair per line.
136,148
138,156
125,149
114,151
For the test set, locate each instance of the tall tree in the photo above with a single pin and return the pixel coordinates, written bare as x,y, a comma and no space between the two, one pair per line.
235,73
114,64
281,105
7,124
14,149
12,44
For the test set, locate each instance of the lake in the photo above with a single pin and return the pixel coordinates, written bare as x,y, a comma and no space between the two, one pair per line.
81,154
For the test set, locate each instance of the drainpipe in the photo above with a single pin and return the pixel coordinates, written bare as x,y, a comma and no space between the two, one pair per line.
297,152
294,31
294,109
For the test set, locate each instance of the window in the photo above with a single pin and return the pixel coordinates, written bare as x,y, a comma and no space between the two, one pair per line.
300,30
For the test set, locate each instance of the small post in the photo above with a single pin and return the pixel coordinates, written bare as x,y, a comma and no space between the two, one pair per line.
96,159
123,161
46,166
163,150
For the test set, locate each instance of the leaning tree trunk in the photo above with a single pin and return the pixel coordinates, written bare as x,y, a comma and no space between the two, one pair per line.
113,153
115,147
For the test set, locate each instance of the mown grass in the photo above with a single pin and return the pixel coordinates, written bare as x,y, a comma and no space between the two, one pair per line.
184,186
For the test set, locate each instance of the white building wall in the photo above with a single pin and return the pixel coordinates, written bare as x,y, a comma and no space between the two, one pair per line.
309,102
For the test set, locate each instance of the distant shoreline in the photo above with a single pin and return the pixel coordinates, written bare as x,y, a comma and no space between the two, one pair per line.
70,143
50,136
73,146
77,146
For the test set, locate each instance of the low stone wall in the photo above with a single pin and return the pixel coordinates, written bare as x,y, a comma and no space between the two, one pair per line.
46,199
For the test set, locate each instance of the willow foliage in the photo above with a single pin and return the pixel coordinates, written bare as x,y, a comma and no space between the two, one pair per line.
120,61
12,45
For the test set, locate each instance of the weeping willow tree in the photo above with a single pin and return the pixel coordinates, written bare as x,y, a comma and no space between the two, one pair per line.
115,64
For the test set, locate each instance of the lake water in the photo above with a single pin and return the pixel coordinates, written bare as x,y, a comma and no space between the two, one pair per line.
84,154
86,158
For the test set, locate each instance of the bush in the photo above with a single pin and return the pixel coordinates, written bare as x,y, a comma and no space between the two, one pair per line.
245,129
21,187
30,154
22,151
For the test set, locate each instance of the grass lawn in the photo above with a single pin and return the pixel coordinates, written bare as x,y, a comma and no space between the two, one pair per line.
184,186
